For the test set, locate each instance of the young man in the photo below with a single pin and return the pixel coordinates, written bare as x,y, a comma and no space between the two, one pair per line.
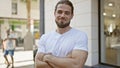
9,47
65,47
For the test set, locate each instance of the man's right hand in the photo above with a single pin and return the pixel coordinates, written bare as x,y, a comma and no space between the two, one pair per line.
39,63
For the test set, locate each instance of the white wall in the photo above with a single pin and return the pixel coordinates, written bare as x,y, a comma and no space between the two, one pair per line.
22,11
49,15
85,19
6,9
4,28
94,32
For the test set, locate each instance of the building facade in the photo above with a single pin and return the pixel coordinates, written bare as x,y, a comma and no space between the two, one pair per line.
98,18
14,15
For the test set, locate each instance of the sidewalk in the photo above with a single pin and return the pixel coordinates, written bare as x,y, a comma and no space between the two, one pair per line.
22,59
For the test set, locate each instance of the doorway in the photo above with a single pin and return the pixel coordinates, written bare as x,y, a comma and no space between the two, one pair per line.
110,32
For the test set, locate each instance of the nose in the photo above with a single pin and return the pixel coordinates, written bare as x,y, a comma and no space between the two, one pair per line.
63,15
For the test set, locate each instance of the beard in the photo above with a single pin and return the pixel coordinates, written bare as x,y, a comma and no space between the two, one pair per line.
62,25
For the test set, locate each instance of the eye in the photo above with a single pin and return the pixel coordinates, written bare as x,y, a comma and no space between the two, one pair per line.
59,12
67,13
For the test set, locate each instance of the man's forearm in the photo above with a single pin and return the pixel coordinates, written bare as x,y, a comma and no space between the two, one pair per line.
62,62
40,64
76,60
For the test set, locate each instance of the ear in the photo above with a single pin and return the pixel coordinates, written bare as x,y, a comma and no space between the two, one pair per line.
54,13
72,16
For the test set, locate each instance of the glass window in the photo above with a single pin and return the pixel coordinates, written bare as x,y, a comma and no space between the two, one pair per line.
14,8
110,32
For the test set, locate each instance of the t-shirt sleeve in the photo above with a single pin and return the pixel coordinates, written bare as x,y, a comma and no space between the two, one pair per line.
41,44
82,43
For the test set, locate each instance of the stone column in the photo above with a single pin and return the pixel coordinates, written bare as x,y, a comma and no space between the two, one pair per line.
28,41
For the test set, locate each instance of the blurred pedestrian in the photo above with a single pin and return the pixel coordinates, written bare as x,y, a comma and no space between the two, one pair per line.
9,47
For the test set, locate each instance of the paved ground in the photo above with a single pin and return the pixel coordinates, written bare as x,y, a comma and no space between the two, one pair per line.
22,59
100,66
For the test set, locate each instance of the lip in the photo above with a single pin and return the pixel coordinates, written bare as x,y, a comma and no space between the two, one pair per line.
62,19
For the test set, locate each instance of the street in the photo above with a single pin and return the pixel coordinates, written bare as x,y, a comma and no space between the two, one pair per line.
22,59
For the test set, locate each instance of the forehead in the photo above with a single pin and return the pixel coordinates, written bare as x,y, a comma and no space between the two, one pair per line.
64,7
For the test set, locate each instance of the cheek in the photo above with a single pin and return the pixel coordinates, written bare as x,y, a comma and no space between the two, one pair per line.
69,18
56,18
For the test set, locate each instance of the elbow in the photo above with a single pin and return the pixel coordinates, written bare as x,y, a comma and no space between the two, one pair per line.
36,66
37,63
76,65
73,65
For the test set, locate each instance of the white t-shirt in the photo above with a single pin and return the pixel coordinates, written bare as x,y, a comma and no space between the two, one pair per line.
62,44
12,35
10,43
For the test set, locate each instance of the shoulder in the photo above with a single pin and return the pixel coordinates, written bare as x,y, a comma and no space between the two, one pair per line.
79,33
47,35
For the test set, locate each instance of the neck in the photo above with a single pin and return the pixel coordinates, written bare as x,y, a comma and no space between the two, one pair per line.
63,30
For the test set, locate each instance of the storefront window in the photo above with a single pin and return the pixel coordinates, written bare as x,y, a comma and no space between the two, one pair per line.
110,32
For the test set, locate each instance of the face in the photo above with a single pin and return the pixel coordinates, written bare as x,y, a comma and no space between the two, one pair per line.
63,15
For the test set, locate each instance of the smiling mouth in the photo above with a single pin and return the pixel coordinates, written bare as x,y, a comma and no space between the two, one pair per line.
62,19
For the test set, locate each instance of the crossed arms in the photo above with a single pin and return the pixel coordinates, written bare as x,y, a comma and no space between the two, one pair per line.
75,59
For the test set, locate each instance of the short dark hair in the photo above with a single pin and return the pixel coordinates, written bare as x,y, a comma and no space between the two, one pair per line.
67,2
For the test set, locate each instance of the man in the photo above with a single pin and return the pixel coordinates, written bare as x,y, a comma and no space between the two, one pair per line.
66,47
9,47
